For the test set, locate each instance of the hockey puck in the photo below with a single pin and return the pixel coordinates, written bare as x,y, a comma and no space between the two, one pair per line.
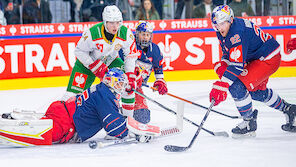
93,144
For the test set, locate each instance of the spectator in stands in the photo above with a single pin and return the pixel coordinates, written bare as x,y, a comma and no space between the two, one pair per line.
221,2
266,7
241,8
147,11
204,9
125,8
188,5
36,11
91,10
11,11
2,18
159,7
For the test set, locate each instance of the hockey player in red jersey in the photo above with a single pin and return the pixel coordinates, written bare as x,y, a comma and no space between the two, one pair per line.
80,117
250,57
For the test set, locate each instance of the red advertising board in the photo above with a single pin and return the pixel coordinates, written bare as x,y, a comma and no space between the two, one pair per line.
42,50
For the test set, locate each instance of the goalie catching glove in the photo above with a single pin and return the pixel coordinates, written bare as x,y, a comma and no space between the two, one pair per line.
161,86
98,68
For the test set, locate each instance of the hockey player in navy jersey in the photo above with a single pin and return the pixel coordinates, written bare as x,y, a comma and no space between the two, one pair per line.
82,116
150,58
249,57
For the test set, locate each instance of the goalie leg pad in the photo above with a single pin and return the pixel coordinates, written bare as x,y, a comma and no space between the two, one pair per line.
62,115
24,133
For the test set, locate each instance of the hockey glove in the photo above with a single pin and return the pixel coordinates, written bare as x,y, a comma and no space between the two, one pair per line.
131,82
291,45
219,92
161,86
139,78
220,68
99,68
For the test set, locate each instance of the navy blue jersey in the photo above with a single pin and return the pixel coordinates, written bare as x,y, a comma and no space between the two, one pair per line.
97,108
244,43
152,56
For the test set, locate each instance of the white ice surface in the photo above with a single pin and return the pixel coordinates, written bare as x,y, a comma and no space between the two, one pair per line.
271,148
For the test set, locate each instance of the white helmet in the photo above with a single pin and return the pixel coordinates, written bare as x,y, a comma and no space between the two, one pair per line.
220,14
144,26
112,14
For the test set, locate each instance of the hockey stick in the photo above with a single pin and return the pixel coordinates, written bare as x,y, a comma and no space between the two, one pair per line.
169,131
190,102
163,133
223,133
173,148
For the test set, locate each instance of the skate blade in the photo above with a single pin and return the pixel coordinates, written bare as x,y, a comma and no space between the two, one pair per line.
244,136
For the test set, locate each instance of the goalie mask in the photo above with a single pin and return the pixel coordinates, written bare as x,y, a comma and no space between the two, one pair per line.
111,14
144,32
116,80
221,14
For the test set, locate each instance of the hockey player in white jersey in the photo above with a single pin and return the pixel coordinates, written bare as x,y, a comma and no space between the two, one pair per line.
97,50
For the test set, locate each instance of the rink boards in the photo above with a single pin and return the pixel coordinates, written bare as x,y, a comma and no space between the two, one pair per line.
42,55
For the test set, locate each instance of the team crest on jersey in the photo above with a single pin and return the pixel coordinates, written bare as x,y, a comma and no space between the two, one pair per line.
79,80
117,47
131,36
236,54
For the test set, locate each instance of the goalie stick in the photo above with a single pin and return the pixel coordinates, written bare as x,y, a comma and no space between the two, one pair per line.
173,148
164,133
178,128
223,133
190,102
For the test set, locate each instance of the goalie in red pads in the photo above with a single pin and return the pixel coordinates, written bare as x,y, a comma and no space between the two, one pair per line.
79,118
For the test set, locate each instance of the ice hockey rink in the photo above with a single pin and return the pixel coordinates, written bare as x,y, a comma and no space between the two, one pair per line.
271,148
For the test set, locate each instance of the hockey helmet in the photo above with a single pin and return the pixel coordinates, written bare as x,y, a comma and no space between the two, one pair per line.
111,13
221,14
116,80
144,26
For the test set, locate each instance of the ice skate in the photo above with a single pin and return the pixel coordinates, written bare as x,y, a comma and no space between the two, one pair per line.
290,113
246,128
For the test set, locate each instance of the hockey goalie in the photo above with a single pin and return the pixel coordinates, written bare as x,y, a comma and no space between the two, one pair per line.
77,119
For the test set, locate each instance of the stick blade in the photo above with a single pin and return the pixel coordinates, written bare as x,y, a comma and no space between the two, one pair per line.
171,148
223,133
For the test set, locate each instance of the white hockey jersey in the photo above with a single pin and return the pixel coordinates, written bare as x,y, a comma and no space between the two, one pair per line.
94,45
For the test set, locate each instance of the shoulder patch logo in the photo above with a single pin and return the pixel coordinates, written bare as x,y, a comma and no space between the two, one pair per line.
236,54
